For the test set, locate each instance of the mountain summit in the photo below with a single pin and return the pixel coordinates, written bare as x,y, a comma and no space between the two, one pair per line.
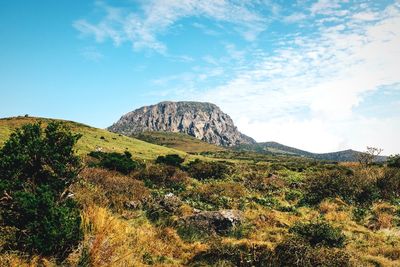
202,120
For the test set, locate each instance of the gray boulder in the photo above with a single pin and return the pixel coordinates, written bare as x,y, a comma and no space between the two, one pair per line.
215,221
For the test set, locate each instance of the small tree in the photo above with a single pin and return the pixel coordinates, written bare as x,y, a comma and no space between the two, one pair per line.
369,156
36,169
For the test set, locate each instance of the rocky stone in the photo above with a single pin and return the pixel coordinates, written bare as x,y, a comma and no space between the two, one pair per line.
218,221
204,121
170,202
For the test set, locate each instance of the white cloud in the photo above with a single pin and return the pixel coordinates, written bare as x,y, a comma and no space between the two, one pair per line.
295,17
141,30
303,92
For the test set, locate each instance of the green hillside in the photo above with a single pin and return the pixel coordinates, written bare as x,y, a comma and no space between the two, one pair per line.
93,138
179,141
274,148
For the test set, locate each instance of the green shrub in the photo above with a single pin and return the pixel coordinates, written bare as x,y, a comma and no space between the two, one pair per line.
296,251
293,195
353,188
121,162
202,170
327,185
36,169
389,184
171,159
359,214
319,233
52,228
393,161
267,201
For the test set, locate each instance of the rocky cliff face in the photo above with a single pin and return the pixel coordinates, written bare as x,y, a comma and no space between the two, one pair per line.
204,121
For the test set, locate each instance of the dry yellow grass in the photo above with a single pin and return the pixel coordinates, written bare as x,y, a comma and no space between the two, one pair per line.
14,260
112,241
383,215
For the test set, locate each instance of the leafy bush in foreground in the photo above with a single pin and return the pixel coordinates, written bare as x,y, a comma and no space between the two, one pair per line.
121,162
36,169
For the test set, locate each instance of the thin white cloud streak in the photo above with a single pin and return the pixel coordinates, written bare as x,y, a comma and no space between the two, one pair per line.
328,75
157,16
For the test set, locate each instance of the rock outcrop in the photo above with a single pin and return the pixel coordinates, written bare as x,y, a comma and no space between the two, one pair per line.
220,222
204,121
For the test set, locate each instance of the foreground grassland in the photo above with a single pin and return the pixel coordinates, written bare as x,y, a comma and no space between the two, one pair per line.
146,217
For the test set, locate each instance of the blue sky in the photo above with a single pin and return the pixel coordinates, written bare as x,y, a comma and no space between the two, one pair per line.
319,75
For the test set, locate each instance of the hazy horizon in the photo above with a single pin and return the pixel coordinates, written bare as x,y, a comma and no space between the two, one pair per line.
320,75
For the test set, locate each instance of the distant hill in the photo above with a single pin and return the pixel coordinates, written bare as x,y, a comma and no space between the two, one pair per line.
276,148
204,121
93,138
178,141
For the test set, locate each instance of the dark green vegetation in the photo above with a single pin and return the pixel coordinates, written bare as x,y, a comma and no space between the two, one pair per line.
319,234
36,169
217,208
172,160
394,161
121,162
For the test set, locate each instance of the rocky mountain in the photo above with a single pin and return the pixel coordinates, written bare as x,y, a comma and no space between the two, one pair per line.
205,121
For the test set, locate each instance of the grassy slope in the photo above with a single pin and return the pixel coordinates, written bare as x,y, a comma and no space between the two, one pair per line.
178,141
91,139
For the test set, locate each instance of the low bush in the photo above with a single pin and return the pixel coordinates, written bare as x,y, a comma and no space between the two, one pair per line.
353,188
296,251
293,195
393,161
267,201
359,214
121,162
319,233
202,170
164,176
389,184
171,159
